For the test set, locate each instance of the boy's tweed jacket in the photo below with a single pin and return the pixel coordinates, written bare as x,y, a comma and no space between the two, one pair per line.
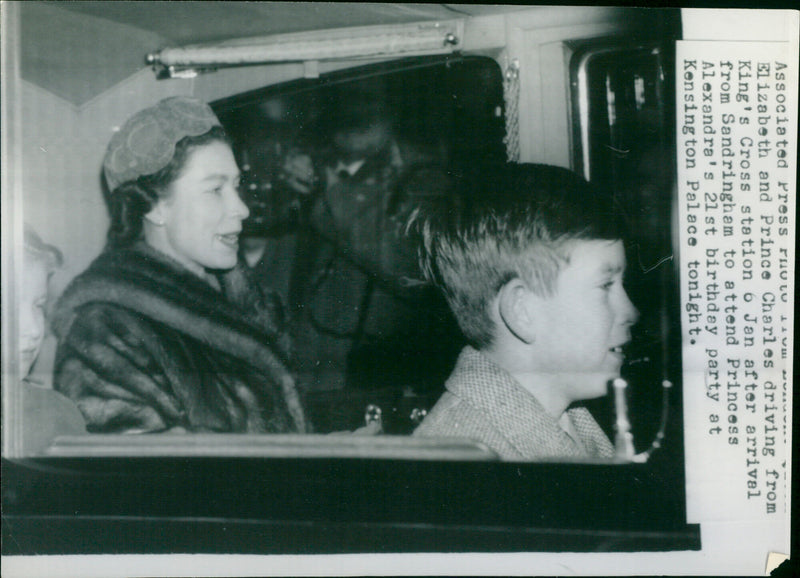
145,346
484,403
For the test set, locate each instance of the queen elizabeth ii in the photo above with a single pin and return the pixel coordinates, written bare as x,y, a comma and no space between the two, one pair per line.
165,331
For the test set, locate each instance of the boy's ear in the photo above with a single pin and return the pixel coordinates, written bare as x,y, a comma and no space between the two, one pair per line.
516,310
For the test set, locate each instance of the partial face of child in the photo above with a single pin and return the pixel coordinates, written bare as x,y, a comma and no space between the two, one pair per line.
584,325
33,301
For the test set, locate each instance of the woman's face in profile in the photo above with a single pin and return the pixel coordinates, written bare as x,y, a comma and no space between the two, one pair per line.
202,213
33,301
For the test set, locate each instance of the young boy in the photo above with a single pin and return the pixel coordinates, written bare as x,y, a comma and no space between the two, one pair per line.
531,263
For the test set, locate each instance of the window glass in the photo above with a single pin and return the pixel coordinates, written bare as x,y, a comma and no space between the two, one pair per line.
388,366
331,170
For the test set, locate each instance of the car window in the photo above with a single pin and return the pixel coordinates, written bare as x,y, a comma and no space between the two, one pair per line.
434,115
366,331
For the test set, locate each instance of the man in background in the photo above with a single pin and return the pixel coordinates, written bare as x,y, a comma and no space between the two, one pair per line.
362,320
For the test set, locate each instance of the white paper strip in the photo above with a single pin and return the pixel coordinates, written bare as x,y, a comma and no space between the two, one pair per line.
736,126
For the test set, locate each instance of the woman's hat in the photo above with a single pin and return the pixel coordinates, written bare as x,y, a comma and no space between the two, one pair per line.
146,142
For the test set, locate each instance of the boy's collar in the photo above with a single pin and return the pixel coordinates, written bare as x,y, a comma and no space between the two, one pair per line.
516,412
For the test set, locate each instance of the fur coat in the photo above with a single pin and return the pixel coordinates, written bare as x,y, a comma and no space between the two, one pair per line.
485,403
147,346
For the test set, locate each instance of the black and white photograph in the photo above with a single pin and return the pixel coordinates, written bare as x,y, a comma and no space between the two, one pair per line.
306,288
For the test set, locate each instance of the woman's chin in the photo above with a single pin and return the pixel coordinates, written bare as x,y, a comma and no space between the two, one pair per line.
222,262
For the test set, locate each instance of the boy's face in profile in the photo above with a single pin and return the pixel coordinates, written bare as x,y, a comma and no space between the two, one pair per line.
584,325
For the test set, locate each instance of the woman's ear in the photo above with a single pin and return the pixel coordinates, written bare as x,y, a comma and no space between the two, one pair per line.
155,216
515,303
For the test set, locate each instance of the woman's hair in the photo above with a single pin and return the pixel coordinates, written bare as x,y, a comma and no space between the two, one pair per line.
132,200
37,251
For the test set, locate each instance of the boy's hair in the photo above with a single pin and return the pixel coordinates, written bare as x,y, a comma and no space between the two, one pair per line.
501,222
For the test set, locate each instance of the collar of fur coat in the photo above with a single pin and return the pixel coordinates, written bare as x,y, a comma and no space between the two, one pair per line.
244,322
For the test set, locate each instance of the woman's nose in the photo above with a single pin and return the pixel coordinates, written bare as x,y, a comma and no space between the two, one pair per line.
238,208
630,315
